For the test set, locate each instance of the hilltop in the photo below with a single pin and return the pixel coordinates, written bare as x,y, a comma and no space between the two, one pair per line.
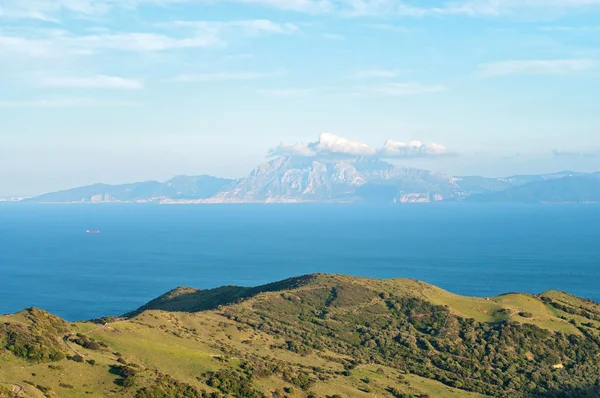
312,336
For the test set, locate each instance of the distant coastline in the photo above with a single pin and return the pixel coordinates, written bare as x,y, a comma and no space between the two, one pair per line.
293,180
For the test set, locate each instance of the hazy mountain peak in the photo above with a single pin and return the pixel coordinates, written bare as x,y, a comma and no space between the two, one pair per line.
329,179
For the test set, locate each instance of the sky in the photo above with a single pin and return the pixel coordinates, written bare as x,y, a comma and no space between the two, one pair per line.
128,90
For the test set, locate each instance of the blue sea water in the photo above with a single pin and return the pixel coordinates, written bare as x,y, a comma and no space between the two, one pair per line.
48,261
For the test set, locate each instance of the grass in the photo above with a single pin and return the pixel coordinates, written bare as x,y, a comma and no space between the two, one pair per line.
437,389
370,381
83,377
187,344
155,348
575,303
494,309
480,309
542,314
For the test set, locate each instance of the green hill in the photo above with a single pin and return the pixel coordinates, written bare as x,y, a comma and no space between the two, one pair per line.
312,336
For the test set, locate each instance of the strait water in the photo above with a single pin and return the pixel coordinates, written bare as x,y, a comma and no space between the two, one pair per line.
48,261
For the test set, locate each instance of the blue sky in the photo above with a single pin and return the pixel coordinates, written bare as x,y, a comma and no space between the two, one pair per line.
127,90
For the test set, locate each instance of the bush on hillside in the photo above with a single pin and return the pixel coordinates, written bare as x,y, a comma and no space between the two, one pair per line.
411,334
166,387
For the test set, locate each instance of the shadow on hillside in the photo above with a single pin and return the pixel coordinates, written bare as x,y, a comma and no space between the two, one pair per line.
578,392
185,299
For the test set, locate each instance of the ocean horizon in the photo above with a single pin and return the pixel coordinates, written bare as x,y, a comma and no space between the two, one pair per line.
47,259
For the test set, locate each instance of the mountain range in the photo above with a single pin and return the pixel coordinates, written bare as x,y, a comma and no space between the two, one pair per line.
359,180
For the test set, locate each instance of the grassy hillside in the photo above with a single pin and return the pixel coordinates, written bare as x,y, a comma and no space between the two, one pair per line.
312,336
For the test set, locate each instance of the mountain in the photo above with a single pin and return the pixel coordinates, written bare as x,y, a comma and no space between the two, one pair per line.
477,185
312,336
295,179
358,180
570,189
284,179
525,179
181,187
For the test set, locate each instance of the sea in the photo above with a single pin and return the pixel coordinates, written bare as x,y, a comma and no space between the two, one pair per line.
47,259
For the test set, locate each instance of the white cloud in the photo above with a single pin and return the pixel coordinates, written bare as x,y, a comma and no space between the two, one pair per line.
471,8
286,93
388,27
141,42
401,89
304,6
328,145
22,47
35,47
508,7
536,67
396,149
57,43
300,149
575,154
60,43
476,8
333,146
238,57
375,73
220,76
51,10
97,81
66,103
571,29
46,10
249,27
334,36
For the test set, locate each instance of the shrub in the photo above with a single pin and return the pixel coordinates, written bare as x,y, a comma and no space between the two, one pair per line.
123,371
127,382
56,356
5,392
166,386
229,381
32,343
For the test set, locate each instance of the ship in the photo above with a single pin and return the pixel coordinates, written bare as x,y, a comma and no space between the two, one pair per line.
92,231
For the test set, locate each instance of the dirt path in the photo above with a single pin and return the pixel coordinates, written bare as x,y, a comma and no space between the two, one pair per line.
72,346
16,388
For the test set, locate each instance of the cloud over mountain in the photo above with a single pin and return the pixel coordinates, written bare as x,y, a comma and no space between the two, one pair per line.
412,149
333,146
